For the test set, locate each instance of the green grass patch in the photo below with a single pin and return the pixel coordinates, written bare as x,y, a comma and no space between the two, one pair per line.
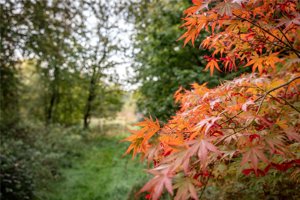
100,173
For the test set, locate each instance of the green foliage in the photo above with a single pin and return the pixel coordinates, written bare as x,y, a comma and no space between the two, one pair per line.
9,86
108,101
51,62
73,92
16,180
275,186
44,74
163,65
32,155
72,97
39,163
94,169
35,95
32,29
46,64
101,173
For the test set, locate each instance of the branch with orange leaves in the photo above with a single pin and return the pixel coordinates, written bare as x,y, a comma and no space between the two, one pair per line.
264,96
260,105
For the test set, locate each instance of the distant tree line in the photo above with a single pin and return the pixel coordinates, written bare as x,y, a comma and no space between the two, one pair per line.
55,63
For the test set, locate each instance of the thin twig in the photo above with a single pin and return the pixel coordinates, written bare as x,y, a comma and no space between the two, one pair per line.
259,107
224,138
264,96
231,117
204,187
254,24
206,183
276,88
239,112
284,35
235,132
287,103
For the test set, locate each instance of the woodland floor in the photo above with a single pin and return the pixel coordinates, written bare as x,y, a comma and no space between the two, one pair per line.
101,172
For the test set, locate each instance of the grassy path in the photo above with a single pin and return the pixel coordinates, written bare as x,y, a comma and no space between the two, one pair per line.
100,173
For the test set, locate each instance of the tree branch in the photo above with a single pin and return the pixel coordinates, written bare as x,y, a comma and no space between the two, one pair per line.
287,103
263,96
284,35
254,24
276,88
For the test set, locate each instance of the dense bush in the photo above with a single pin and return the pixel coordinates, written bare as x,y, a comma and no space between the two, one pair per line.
31,156
16,179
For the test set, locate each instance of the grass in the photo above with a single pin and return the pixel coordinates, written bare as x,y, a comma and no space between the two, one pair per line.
101,172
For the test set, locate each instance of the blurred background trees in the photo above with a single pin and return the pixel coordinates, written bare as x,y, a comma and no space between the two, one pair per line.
56,73
53,60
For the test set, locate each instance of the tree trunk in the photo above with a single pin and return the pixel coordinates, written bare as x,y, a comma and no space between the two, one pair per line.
53,98
90,99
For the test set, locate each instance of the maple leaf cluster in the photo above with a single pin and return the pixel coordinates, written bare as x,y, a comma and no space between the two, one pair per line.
253,120
245,32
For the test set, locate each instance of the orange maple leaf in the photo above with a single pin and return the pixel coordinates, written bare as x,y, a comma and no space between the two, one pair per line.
257,62
211,65
139,138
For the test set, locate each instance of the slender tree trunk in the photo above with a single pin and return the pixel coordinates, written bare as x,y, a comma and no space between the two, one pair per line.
90,99
50,109
53,98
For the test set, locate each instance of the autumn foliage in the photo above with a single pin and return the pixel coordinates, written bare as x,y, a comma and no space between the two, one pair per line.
252,122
